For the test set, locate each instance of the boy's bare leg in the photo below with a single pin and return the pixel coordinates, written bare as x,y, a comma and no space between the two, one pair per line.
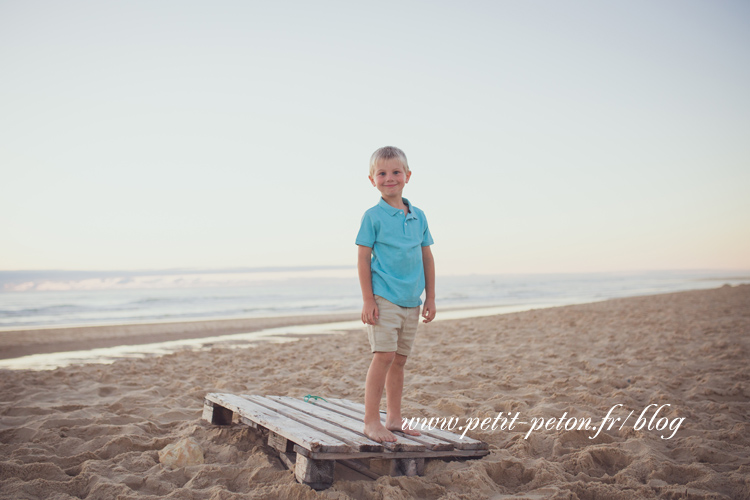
394,389
376,378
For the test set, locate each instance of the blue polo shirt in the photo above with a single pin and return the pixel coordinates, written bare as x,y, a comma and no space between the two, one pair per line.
396,241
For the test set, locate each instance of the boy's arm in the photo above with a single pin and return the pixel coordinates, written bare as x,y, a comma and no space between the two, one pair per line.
428,310
370,308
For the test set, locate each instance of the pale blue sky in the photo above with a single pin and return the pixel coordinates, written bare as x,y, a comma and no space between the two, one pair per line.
543,136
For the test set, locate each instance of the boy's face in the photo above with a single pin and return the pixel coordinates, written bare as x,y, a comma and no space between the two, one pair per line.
390,177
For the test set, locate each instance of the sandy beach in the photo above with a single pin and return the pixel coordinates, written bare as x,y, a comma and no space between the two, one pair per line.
94,431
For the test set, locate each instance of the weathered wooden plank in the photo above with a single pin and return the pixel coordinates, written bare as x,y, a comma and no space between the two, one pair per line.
279,443
356,440
320,410
393,454
429,442
384,467
398,466
250,423
308,438
405,443
217,415
352,426
208,412
317,474
357,466
465,443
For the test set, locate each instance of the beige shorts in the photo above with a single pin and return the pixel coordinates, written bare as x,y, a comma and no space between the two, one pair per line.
395,329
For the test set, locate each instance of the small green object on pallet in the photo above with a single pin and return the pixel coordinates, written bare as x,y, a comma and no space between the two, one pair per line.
310,396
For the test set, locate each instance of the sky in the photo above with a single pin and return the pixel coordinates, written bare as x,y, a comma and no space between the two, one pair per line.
572,136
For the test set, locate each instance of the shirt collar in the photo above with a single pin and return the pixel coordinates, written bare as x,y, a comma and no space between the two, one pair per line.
393,211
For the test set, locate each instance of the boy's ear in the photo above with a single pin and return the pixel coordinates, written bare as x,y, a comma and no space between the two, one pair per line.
371,180
408,176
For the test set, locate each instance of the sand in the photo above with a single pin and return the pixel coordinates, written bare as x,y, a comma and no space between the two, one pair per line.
24,342
94,431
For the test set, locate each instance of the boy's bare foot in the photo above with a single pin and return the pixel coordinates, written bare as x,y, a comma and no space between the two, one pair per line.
377,432
398,426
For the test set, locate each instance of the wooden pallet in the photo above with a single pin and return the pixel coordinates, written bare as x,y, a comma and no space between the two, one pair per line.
311,438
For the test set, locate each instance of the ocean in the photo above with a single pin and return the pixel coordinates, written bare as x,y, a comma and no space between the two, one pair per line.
33,299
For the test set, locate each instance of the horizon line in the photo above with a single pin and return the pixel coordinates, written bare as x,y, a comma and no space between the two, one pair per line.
235,270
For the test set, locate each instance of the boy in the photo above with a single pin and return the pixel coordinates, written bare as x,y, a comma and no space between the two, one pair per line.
395,265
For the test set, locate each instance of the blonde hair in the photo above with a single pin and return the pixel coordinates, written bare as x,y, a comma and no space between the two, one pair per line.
387,153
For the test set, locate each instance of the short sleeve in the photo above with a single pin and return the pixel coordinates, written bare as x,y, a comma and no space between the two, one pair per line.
426,236
367,233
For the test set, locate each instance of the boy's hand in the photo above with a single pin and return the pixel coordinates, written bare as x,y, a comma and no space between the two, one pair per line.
370,312
428,310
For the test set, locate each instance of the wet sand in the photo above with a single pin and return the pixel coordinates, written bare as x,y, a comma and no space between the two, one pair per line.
16,343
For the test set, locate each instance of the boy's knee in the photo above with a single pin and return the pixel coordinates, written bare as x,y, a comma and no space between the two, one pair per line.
385,358
399,360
